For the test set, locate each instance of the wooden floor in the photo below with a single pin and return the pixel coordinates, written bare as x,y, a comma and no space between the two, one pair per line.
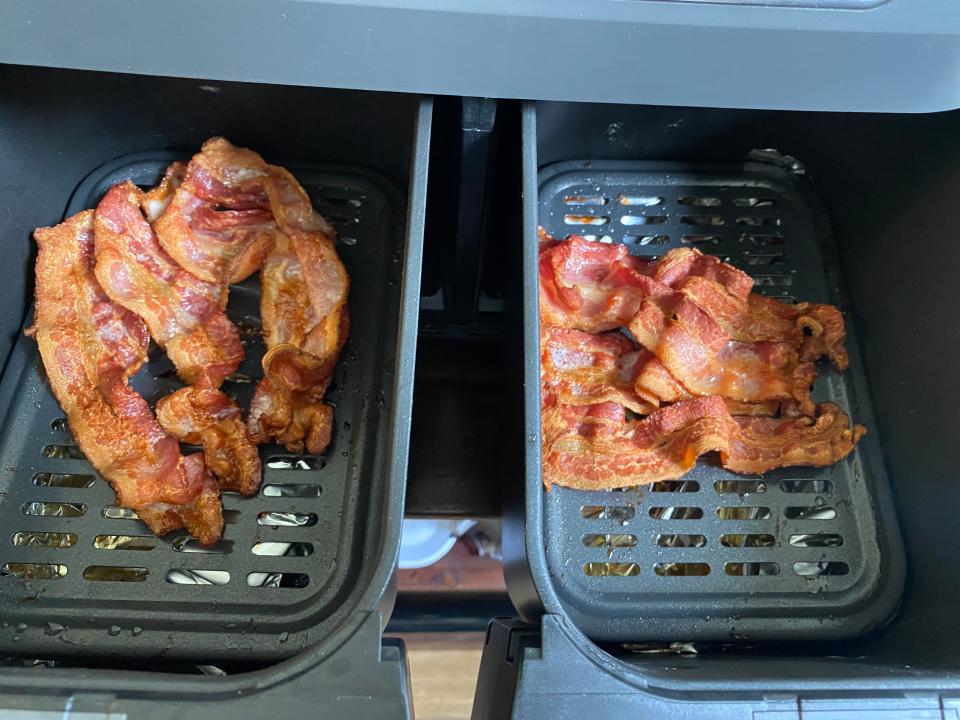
443,669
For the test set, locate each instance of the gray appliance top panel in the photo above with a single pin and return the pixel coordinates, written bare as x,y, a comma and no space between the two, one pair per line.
837,55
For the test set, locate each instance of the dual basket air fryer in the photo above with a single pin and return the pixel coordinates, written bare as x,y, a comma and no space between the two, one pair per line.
795,554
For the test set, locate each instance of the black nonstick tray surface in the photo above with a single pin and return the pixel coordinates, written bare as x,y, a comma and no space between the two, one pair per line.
798,553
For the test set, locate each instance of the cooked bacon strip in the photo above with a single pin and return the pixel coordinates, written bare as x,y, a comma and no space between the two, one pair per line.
595,448
303,305
288,406
202,416
579,368
766,443
814,329
696,350
90,346
184,314
218,223
592,286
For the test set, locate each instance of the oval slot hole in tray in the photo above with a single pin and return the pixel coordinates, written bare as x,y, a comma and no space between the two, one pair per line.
113,573
676,513
640,200
813,512
43,539
822,567
187,544
586,219
699,201
283,549
608,512
676,540
751,568
184,576
34,571
743,513
287,519
294,490
678,486
278,579
676,569
611,569
748,540
806,486
125,542
612,540
67,480
62,452
54,509
817,540
739,487
280,462
576,200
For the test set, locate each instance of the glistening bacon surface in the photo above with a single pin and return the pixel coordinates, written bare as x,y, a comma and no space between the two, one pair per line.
697,315
90,346
595,448
217,223
699,353
595,287
184,314
580,368
303,305
592,286
207,417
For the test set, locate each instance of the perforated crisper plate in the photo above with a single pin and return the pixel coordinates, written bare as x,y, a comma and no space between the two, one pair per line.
80,576
797,553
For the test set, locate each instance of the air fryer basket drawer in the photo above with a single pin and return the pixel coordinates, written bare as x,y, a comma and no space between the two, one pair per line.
314,551
799,553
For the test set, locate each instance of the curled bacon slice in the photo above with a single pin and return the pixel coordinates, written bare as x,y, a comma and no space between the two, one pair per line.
595,287
216,222
303,305
207,417
595,448
184,314
288,406
579,368
90,346
592,286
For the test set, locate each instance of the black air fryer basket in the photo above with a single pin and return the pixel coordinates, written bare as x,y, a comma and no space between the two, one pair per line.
304,566
799,553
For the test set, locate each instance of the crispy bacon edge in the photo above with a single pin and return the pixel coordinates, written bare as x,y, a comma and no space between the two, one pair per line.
595,448
305,319
202,416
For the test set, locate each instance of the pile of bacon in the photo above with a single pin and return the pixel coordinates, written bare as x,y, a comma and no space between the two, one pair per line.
158,265
646,365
